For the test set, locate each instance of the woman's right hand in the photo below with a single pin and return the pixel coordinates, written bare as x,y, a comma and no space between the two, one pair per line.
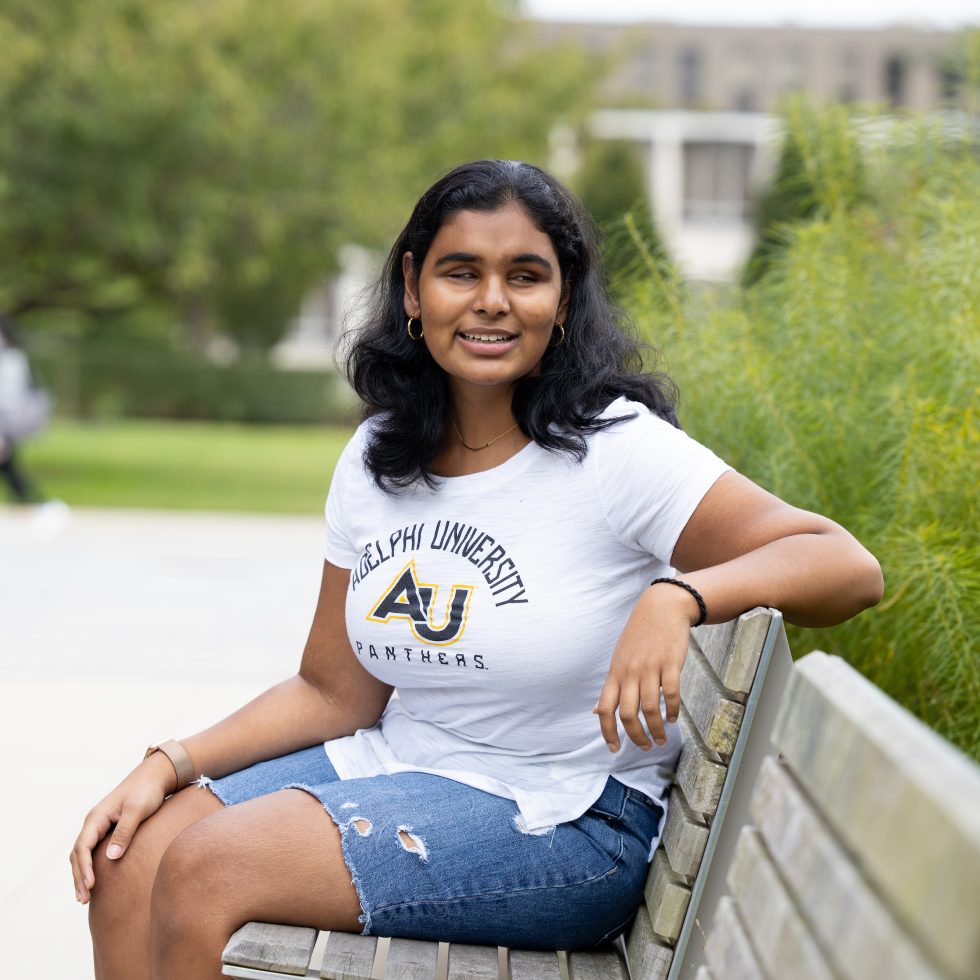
137,797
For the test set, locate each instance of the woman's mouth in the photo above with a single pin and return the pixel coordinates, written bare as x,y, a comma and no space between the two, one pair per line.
487,338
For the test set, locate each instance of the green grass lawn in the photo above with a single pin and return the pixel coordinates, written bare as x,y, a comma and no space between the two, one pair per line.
187,465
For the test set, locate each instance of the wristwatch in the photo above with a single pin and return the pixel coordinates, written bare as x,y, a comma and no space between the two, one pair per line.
179,759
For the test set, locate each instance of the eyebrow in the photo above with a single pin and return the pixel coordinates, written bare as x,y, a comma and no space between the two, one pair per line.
524,258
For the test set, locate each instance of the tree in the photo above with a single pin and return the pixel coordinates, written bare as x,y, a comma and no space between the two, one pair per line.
201,163
820,170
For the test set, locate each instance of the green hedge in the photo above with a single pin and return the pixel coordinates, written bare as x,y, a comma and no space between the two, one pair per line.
99,379
845,380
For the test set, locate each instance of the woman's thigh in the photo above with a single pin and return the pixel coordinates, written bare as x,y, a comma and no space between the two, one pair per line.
275,858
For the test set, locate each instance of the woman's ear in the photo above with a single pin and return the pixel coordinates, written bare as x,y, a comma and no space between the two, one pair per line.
412,304
566,295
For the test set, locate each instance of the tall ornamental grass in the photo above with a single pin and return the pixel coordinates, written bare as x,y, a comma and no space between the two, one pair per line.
845,380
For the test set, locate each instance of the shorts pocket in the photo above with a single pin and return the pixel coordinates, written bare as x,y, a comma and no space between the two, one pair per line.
605,834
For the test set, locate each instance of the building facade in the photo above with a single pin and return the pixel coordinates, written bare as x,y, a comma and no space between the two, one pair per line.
697,102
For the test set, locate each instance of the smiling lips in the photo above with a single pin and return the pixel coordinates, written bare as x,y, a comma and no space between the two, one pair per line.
487,338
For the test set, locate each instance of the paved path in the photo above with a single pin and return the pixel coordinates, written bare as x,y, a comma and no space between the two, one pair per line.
118,629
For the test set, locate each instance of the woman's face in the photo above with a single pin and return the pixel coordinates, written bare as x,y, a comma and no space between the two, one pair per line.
489,293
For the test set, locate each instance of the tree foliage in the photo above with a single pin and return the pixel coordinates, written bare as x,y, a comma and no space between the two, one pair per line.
819,170
201,162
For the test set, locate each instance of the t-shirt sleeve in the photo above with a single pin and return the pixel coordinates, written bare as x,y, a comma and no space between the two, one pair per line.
651,478
340,548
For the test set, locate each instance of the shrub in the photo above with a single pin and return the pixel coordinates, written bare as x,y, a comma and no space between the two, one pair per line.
98,379
845,381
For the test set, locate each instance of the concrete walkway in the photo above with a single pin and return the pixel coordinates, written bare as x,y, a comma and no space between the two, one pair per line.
118,629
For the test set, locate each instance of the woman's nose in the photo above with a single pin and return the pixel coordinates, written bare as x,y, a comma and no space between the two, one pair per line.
491,298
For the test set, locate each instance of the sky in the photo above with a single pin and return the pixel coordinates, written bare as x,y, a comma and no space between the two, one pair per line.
944,14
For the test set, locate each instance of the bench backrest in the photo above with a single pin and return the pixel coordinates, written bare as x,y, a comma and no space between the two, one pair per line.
731,686
861,857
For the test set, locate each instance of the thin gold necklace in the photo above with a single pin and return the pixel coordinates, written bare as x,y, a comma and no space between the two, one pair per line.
477,449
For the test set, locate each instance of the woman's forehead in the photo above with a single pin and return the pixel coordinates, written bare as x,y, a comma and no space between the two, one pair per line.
507,229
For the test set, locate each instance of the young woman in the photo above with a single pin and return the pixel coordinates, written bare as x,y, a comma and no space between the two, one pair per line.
478,741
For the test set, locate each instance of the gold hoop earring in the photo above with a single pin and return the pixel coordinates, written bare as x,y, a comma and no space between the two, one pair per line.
561,339
408,327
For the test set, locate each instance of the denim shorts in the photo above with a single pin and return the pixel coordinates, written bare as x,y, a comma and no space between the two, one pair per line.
435,859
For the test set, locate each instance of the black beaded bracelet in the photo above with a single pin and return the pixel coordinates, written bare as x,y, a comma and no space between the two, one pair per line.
694,592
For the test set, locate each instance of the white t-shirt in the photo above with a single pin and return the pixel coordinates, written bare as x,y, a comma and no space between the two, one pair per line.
493,604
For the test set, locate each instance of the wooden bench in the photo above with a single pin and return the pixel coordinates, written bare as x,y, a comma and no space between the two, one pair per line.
815,830
722,688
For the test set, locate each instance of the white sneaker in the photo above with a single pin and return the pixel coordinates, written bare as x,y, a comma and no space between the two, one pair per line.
50,517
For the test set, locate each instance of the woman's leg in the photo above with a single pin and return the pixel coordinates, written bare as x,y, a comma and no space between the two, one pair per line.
119,911
276,858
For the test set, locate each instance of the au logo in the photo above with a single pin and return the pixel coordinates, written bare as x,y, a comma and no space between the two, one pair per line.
408,598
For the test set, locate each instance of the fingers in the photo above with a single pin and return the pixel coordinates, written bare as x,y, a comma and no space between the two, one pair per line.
654,719
671,681
629,715
96,826
635,709
126,826
93,830
606,710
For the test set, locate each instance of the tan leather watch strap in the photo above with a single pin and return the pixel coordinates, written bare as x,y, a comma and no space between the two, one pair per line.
179,759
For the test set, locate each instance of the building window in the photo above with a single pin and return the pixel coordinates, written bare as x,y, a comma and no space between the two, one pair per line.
895,80
949,82
716,181
791,67
848,90
689,72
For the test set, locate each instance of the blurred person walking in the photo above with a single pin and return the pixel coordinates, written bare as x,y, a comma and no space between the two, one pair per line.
25,409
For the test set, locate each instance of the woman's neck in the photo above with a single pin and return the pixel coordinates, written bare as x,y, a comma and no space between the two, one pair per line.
481,434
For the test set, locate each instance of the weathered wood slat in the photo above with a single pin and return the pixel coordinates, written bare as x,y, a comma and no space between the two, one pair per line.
733,649
861,937
607,965
729,951
895,793
348,956
698,774
715,714
774,926
530,965
649,959
411,959
260,945
684,835
667,896
472,962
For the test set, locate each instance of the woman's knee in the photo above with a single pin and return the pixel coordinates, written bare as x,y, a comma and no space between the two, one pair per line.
188,883
121,895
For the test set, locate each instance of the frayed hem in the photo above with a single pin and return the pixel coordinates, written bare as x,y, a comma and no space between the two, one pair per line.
206,782
344,826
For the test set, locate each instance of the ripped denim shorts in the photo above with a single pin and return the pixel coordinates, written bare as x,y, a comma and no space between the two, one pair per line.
435,859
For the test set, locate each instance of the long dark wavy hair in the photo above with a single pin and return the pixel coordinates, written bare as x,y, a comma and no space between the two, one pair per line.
598,361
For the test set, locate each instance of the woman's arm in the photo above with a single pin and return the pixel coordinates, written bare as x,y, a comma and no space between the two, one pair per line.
742,547
332,695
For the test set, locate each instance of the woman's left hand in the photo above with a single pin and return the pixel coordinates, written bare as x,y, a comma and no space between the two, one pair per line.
647,660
